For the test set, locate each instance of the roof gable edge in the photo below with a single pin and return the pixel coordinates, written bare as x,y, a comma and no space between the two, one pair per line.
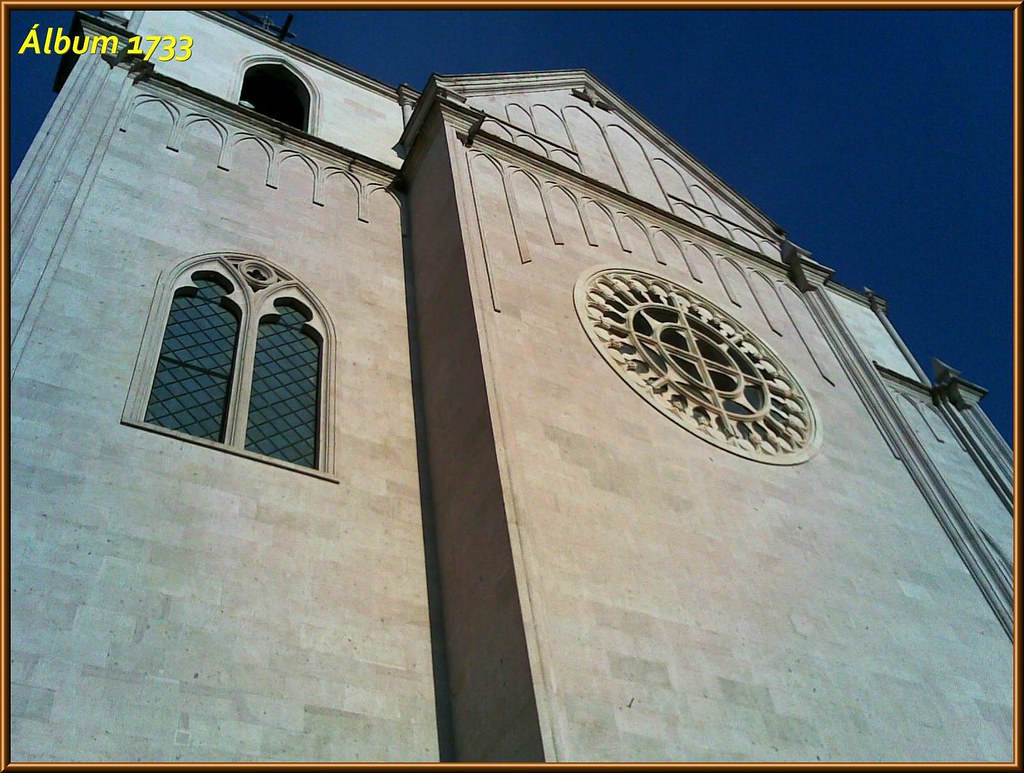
549,80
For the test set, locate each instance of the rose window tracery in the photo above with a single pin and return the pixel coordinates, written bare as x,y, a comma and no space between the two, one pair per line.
697,365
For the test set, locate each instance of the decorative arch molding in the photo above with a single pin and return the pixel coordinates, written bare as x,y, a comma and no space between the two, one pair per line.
588,231
551,126
255,289
607,172
766,281
511,205
519,116
611,218
195,118
376,190
694,253
315,99
556,237
223,134
495,125
675,250
625,217
316,177
321,166
731,290
269,151
742,237
139,101
326,174
775,310
669,242
637,171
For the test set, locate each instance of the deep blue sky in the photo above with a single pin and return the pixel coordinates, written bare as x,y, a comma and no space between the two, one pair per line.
881,141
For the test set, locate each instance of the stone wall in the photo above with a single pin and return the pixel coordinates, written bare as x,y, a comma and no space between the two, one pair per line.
172,601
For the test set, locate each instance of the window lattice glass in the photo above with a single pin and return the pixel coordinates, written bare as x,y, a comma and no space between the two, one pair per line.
193,376
285,379
697,365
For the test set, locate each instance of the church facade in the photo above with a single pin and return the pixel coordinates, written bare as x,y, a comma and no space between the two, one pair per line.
481,422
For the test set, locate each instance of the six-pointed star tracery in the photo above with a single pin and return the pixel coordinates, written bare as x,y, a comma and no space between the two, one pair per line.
697,365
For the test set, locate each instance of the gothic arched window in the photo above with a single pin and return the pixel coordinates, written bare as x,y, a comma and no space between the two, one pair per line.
276,92
237,354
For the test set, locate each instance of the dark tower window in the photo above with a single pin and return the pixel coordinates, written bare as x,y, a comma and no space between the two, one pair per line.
276,92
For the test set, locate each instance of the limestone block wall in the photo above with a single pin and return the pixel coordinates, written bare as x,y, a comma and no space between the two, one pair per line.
689,604
951,456
872,337
176,602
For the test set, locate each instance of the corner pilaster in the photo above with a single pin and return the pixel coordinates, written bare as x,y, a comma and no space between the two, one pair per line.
59,174
990,572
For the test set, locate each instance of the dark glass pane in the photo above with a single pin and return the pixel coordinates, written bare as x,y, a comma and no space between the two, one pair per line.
285,384
754,396
193,375
724,382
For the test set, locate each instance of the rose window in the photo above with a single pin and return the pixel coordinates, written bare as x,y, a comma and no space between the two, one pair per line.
697,365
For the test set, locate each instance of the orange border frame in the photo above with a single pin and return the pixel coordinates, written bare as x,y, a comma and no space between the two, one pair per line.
1018,277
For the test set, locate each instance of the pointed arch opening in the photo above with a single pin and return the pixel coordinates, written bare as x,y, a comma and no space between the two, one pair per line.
237,356
276,92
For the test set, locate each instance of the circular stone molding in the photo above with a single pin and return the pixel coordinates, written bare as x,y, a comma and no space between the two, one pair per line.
258,273
697,365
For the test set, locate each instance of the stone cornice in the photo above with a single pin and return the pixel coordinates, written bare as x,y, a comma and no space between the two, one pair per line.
88,21
904,382
407,98
958,391
876,301
93,25
847,292
517,82
950,404
809,272
954,397
413,154
880,307
419,114
804,272
286,49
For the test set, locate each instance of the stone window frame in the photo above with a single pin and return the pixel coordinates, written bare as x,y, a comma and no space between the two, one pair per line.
312,119
257,284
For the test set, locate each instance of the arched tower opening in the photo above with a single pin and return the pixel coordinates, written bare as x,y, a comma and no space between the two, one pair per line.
276,92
